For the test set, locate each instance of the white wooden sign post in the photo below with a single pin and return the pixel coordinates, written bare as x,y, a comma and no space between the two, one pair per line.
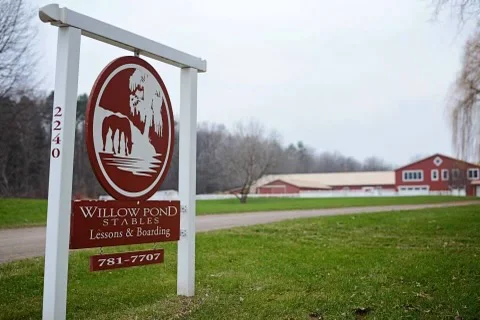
71,26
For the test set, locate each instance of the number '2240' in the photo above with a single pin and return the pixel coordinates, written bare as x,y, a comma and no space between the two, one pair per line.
56,130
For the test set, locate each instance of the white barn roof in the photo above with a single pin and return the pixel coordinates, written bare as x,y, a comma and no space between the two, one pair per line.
313,184
319,180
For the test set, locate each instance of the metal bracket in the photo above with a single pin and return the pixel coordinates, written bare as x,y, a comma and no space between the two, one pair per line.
183,233
136,52
183,209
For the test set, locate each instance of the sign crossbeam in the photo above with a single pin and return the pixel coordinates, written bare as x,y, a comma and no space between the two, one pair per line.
118,37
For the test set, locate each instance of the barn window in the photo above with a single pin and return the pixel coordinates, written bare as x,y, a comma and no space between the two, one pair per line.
473,174
445,174
413,175
437,161
434,174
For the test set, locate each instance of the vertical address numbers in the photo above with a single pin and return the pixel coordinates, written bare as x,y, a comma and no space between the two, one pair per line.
125,260
56,131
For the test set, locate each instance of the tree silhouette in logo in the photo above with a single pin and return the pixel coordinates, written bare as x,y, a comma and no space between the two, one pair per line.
146,100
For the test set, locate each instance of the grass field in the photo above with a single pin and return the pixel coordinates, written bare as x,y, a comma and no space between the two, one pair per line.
32,212
422,264
273,204
22,212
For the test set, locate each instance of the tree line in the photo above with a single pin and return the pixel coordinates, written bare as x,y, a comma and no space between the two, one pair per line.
226,158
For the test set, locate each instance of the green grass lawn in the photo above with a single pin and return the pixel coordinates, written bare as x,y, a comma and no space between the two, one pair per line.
22,212
32,212
273,204
422,264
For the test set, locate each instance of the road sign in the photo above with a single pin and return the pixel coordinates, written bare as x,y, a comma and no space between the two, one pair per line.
129,129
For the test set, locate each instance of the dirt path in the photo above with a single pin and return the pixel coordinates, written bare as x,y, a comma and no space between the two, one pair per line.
30,242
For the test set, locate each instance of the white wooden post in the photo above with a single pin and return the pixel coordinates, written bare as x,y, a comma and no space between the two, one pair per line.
61,171
187,181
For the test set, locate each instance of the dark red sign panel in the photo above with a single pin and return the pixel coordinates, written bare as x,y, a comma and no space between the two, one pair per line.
98,223
126,259
129,129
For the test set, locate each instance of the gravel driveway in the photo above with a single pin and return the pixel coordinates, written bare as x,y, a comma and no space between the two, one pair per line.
30,242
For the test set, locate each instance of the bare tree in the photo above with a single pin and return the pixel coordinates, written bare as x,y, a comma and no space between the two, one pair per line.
336,162
305,158
464,105
17,59
458,177
375,164
23,142
248,154
210,173
463,9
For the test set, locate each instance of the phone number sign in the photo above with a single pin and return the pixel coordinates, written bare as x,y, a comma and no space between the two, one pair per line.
126,259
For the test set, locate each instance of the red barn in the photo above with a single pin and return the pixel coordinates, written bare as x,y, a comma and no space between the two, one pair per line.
289,185
344,181
476,184
439,173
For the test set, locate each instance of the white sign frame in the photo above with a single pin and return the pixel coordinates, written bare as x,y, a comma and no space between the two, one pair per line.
71,26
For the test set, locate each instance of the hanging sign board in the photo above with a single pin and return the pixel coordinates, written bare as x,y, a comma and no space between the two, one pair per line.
112,223
129,135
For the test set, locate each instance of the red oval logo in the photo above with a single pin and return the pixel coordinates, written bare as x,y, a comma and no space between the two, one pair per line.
129,129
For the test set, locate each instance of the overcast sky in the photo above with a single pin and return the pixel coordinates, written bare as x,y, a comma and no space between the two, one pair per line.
359,77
